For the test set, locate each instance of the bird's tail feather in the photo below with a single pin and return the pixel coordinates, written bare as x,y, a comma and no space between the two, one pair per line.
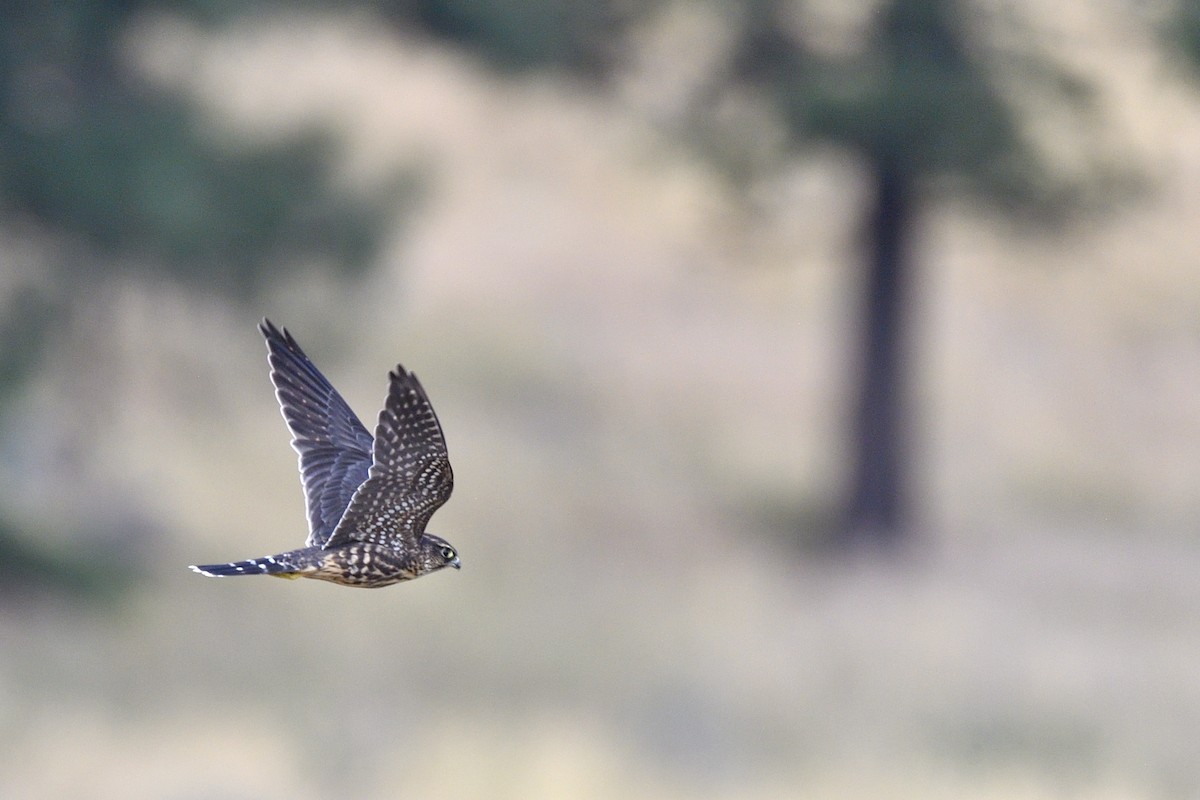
268,565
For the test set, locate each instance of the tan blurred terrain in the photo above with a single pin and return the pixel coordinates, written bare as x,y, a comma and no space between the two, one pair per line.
642,386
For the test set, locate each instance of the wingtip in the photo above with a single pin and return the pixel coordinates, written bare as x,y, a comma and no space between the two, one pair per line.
402,374
278,336
268,328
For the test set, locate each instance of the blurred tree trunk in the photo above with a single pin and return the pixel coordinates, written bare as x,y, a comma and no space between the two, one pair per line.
878,502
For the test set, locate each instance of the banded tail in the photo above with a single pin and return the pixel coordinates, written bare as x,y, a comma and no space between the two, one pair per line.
267,565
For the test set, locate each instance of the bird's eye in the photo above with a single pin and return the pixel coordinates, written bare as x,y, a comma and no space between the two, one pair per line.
448,553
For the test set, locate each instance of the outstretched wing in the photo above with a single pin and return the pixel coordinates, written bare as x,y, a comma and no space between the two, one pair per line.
410,476
334,446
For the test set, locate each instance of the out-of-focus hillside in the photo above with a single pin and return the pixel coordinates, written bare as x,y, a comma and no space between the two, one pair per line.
641,384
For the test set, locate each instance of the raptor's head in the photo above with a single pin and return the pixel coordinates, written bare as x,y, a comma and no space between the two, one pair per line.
436,553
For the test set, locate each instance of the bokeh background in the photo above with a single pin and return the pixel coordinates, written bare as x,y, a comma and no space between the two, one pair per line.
627,248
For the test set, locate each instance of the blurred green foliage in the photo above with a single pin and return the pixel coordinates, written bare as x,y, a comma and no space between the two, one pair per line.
1181,30
928,91
90,575
578,36
90,151
128,178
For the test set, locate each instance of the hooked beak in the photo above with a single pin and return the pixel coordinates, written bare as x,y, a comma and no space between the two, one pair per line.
455,563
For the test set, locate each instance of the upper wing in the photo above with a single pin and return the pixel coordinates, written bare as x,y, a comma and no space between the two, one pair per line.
334,447
410,476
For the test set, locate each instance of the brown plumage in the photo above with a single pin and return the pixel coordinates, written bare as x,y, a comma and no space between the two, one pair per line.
368,498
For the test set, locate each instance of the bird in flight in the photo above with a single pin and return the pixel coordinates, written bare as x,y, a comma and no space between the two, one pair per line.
368,499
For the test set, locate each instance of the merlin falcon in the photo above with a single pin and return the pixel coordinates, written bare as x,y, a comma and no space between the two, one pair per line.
368,498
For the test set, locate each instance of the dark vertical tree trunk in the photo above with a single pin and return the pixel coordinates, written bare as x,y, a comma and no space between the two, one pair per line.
878,503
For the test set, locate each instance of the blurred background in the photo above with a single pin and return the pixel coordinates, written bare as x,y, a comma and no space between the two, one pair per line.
821,381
